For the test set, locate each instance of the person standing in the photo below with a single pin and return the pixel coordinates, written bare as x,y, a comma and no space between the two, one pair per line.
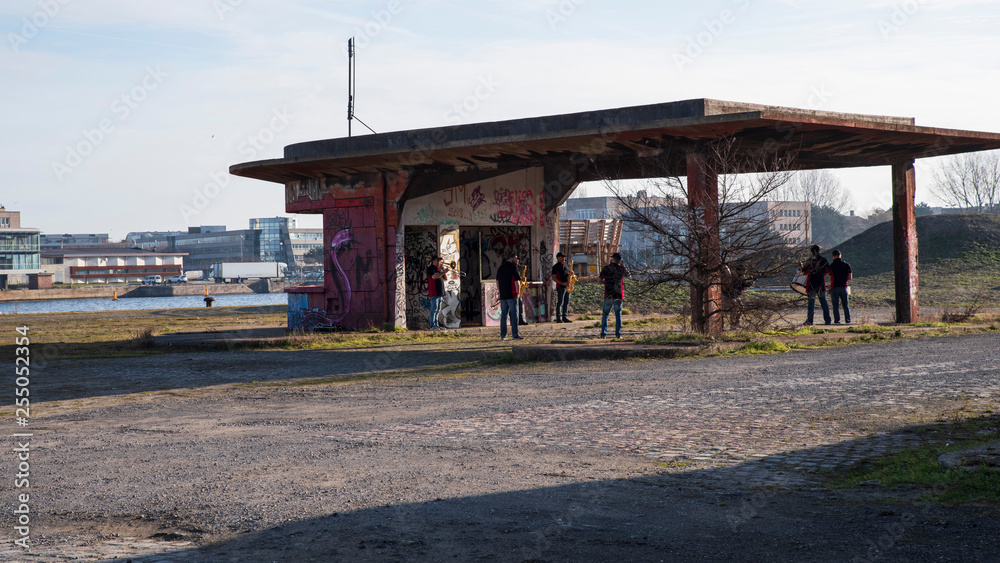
435,290
560,276
816,272
841,273
613,275
508,280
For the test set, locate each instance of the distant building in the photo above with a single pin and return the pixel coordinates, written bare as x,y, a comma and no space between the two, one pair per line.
19,250
204,246
304,240
62,241
152,240
282,241
790,219
112,264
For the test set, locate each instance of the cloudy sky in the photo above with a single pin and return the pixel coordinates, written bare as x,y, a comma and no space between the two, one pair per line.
125,115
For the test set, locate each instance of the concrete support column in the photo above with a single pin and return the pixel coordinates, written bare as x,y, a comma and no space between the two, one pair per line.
904,231
395,186
706,286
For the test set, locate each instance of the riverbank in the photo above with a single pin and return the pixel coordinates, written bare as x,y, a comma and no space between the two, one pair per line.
136,290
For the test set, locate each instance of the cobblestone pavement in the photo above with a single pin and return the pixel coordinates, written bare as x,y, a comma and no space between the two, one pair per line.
767,420
763,428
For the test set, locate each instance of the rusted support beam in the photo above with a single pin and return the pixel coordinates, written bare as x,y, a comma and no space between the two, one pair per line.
904,231
703,200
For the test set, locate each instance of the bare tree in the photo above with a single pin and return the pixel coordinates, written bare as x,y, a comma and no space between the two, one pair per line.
821,188
699,244
970,181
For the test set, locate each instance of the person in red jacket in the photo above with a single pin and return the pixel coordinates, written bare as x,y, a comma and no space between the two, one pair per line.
817,272
507,286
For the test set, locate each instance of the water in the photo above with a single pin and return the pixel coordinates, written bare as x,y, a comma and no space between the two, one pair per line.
135,303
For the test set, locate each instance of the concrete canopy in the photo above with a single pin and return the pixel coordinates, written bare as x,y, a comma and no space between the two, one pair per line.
819,139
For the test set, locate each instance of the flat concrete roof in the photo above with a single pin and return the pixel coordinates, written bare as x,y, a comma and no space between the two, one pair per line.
622,137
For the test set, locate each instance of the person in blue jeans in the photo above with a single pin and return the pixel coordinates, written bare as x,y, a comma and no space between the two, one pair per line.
613,275
435,290
841,273
507,286
816,271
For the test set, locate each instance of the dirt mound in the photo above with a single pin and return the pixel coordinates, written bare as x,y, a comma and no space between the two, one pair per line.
939,238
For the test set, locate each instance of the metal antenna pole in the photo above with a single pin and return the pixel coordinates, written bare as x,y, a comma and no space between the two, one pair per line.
350,84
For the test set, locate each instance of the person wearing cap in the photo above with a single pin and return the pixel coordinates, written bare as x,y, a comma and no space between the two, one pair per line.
613,275
507,289
560,275
435,291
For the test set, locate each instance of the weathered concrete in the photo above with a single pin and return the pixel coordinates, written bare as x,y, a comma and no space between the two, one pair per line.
904,228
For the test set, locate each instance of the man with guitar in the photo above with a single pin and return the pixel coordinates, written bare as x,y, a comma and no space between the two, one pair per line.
560,275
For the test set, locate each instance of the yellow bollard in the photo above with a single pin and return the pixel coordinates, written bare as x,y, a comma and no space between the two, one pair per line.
114,295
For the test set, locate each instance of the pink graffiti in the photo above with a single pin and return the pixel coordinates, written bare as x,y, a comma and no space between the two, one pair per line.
518,206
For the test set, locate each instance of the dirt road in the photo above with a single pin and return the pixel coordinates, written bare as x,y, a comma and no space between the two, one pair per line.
176,458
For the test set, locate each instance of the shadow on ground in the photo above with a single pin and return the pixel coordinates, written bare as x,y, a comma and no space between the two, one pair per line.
712,515
88,378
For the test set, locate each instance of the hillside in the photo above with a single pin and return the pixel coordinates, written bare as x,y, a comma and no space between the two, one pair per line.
959,259
939,238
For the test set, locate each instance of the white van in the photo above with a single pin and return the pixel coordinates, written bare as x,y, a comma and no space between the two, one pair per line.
152,280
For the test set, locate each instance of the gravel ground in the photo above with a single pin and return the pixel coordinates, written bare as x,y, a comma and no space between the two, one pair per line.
175,458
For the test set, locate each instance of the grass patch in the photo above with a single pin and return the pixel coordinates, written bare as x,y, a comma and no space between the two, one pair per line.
649,322
769,346
919,466
672,338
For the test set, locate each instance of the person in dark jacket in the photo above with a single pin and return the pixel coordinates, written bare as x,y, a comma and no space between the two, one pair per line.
613,275
507,290
560,275
435,290
817,271
842,275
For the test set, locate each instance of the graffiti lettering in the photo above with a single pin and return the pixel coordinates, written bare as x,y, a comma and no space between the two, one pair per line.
518,206
449,194
476,198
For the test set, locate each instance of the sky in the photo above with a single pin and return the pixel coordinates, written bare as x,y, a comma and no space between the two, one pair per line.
125,115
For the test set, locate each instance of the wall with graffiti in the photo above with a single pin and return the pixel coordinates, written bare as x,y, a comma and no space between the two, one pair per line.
511,199
353,266
420,246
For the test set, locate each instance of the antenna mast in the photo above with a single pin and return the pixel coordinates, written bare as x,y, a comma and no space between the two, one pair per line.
352,83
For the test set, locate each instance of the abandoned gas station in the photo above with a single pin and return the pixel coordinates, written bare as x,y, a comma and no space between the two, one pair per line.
469,193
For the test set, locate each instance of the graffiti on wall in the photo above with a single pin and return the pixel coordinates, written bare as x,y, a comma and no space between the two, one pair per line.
515,207
451,309
339,243
399,278
516,198
419,246
353,265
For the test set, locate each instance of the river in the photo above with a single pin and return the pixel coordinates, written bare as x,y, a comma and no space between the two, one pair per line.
135,303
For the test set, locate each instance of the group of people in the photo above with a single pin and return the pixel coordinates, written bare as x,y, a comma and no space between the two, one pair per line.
509,284
822,276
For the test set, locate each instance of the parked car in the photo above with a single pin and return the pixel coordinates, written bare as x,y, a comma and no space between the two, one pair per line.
179,278
152,280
